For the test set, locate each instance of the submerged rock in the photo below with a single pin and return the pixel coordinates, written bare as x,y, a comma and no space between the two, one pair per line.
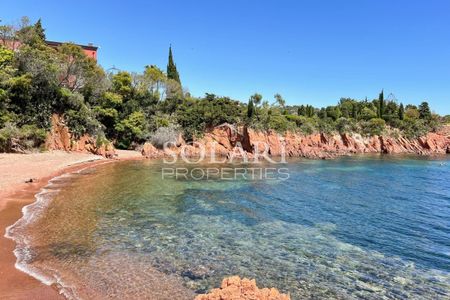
234,287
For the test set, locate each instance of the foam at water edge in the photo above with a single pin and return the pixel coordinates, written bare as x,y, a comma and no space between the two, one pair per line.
31,213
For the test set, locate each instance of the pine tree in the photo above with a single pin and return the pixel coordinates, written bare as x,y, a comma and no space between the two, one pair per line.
40,31
401,112
381,105
425,111
256,98
172,72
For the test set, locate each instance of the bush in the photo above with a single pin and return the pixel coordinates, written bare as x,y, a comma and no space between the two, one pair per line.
194,115
373,127
368,114
165,136
279,123
344,125
298,120
414,128
326,126
14,139
132,129
82,121
446,119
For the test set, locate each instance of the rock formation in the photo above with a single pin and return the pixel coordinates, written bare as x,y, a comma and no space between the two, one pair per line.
233,288
224,140
150,151
60,138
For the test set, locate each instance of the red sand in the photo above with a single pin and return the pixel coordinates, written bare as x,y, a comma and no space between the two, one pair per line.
15,170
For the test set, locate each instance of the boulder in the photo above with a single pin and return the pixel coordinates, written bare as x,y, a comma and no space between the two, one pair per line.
233,288
150,151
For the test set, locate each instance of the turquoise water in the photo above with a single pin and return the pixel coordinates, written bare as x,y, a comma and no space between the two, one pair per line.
352,228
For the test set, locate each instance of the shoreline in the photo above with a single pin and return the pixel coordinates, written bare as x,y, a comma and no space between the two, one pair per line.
14,283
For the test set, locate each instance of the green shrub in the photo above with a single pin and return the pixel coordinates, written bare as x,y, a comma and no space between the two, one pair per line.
414,128
344,125
326,126
446,119
280,124
132,129
14,139
373,127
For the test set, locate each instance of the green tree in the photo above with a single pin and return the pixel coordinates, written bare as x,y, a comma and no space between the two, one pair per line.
346,106
424,111
256,99
401,112
412,113
154,80
333,112
381,104
279,99
310,111
367,114
131,129
40,31
250,109
32,35
301,110
76,70
121,83
172,72
323,113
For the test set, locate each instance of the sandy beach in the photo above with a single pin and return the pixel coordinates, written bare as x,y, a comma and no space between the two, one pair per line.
16,170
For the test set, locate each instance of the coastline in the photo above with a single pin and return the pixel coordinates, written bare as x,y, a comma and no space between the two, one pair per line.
16,194
14,283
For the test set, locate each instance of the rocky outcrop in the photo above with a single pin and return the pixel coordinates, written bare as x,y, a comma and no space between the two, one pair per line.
236,288
60,138
150,151
226,140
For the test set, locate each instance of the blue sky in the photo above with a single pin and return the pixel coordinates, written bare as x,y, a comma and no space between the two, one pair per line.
308,51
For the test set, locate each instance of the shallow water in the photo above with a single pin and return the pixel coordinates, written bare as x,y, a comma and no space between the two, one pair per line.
352,228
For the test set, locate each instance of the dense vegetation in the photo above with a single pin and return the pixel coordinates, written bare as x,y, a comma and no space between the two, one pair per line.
128,108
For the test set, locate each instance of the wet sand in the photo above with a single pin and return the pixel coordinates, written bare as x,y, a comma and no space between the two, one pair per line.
15,193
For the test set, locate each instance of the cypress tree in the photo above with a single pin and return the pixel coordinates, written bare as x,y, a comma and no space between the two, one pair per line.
172,72
250,109
381,105
401,112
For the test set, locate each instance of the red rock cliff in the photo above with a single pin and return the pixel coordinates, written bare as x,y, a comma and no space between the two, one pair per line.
60,138
225,139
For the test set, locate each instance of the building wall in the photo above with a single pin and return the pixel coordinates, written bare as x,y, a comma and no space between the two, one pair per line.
15,45
90,53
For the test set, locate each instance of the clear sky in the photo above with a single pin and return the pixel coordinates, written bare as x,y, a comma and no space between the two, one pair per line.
309,51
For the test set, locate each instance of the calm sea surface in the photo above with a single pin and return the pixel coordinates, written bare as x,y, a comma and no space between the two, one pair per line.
351,228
